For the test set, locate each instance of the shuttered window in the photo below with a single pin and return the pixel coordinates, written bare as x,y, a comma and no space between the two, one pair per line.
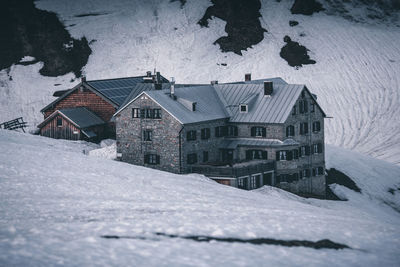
316,127
289,131
303,128
205,156
303,106
256,154
59,122
258,131
191,135
205,133
232,130
147,135
135,113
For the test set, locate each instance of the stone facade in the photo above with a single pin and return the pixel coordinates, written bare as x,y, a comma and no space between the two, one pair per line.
315,184
165,137
180,147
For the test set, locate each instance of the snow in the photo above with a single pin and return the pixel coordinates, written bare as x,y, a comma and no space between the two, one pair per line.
356,76
108,150
56,203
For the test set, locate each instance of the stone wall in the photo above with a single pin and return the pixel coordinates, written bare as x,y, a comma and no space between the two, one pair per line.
165,137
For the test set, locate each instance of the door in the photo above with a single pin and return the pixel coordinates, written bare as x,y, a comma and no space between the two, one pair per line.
267,178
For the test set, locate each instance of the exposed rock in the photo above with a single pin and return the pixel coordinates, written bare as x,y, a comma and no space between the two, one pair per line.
306,7
295,54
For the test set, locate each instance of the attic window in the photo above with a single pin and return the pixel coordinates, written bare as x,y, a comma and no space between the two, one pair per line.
243,108
59,122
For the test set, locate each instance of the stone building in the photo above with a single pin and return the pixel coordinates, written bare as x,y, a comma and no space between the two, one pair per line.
244,134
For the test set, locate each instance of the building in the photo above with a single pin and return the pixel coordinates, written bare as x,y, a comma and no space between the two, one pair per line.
73,124
101,97
245,134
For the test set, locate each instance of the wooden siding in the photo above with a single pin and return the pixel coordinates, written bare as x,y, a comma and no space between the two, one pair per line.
87,99
66,131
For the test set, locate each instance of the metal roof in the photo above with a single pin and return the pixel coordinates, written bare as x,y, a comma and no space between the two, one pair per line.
266,109
140,87
275,80
235,142
81,117
208,106
116,89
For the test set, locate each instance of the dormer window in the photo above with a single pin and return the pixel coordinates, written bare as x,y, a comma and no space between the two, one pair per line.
243,108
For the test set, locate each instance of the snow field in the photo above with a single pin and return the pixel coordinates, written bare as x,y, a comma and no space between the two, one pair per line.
56,202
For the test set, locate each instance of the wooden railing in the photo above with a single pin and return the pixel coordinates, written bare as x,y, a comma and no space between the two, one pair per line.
17,123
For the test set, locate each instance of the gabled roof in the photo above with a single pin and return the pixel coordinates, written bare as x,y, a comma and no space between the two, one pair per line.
81,117
266,109
208,105
113,91
141,87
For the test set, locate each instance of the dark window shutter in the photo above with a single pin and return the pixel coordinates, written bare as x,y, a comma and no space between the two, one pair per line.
287,131
312,150
194,135
157,159
319,145
203,133
235,130
277,155
307,150
314,172
188,135
308,172
253,131
300,174
264,132
278,179
146,158
305,106
289,155
300,152
264,154
295,154
306,128
248,154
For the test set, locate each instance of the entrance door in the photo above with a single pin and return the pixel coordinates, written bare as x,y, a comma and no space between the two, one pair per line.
267,178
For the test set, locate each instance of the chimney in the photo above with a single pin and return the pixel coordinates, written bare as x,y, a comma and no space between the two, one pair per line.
83,79
158,77
268,88
247,77
172,93
214,82
148,73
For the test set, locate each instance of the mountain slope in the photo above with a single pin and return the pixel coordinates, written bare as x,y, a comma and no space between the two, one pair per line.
356,75
57,205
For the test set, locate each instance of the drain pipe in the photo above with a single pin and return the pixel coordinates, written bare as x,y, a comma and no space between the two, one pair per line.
180,149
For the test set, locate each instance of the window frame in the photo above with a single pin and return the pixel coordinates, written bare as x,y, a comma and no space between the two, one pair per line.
245,106
147,135
205,133
290,131
59,119
191,135
135,113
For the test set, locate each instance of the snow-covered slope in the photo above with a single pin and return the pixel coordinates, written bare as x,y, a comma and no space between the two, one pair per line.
356,75
56,203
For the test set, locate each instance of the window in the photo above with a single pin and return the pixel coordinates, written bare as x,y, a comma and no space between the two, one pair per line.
316,148
304,151
253,181
304,128
135,113
192,158
220,131
232,130
306,173
157,113
152,159
205,156
295,153
312,107
142,113
258,131
316,126
147,135
282,155
242,183
149,113
303,94
289,131
303,106
59,122
191,135
294,110
256,154
243,108
320,171
205,133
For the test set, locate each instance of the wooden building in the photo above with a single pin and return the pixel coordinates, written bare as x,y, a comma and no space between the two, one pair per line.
73,124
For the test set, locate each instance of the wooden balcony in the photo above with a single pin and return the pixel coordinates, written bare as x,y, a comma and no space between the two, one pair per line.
234,170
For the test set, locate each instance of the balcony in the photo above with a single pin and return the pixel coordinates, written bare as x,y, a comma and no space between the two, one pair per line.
235,170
